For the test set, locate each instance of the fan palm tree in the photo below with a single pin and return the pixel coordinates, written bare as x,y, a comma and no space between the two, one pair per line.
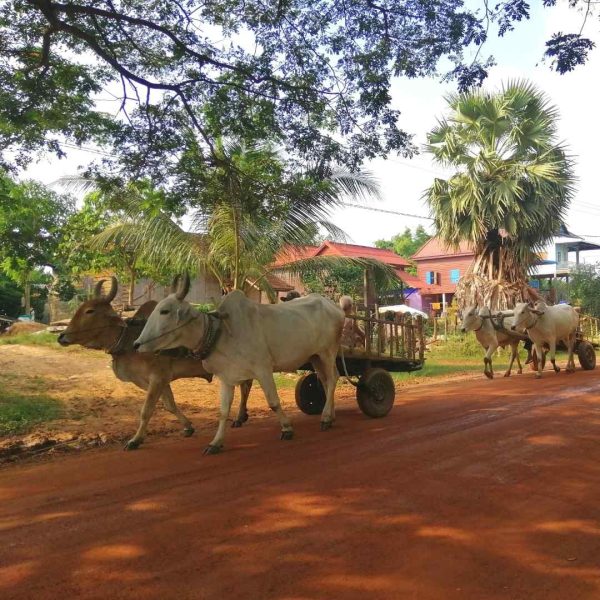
512,185
249,207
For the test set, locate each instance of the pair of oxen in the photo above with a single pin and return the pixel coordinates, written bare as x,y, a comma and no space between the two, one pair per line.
538,325
239,342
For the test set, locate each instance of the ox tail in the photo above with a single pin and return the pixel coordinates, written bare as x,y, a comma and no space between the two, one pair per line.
346,376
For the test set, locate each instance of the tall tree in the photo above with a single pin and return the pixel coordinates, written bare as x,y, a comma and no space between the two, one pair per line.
249,205
306,73
31,218
511,188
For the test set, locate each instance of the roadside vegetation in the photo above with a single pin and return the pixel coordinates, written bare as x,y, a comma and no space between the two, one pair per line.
24,404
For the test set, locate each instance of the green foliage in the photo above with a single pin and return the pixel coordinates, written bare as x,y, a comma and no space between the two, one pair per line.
584,288
512,184
336,281
31,221
406,243
10,296
19,413
248,205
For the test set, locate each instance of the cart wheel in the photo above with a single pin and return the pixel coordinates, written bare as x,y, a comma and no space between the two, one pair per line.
310,394
587,355
533,365
376,392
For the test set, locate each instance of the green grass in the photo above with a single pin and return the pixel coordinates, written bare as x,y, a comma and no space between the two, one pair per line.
31,339
20,413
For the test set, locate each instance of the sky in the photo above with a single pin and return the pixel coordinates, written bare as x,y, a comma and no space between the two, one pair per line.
421,102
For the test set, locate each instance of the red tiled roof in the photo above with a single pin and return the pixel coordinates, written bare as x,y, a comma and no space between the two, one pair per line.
353,251
435,248
289,254
408,279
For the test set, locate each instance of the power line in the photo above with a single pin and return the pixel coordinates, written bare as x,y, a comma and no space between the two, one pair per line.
384,210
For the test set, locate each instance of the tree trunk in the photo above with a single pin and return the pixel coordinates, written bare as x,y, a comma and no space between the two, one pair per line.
27,294
369,285
132,278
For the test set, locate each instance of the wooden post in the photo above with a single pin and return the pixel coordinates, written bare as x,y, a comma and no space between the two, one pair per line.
435,326
369,287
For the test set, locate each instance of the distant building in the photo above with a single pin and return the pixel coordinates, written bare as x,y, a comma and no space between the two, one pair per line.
561,257
438,270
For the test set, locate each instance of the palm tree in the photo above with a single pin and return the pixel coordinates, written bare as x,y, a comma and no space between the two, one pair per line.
250,205
512,185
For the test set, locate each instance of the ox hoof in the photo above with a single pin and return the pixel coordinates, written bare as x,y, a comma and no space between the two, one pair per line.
538,375
237,423
287,435
325,425
188,431
210,449
507,374
520,372
132,445
488,374
557,369
570,370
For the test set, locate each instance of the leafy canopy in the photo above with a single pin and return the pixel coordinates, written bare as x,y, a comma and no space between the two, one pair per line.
311,75
406,243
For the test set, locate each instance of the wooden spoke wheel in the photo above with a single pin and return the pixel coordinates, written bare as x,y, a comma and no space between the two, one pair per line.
310,394
587,355
376,392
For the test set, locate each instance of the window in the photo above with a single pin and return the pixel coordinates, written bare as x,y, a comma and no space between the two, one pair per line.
454,275
430,277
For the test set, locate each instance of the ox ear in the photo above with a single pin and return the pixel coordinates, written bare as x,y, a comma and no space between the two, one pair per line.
183,287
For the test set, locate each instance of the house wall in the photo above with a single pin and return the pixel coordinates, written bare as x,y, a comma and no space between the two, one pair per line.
443,265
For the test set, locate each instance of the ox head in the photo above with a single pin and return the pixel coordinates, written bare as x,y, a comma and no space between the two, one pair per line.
470,320
95,322
525,315
166,326
346,304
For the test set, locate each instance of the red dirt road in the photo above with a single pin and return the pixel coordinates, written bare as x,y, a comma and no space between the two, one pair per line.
477,490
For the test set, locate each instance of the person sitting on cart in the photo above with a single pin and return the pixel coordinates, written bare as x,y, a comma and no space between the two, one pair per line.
352,334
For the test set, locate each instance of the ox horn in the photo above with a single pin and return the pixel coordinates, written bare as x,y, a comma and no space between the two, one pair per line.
174,284
98,289
114,285
183,287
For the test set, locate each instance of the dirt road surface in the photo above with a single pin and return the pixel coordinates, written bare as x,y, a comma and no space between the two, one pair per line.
477,490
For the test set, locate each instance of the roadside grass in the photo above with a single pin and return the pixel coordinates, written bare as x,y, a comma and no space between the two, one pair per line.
43,338
25,403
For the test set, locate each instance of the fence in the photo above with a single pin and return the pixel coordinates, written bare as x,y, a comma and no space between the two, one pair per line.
590,328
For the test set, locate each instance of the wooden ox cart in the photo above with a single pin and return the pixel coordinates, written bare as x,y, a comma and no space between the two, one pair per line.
584,349
396,344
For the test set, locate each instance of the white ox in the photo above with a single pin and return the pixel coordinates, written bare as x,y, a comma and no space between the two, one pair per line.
480,322
246,340
548,325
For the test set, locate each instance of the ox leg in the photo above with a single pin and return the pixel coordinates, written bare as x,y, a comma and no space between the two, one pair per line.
571,360
513,355
520,371
539,350
227,392
270,389
242,415
487,361
552,353
169,402
154,392
328,374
